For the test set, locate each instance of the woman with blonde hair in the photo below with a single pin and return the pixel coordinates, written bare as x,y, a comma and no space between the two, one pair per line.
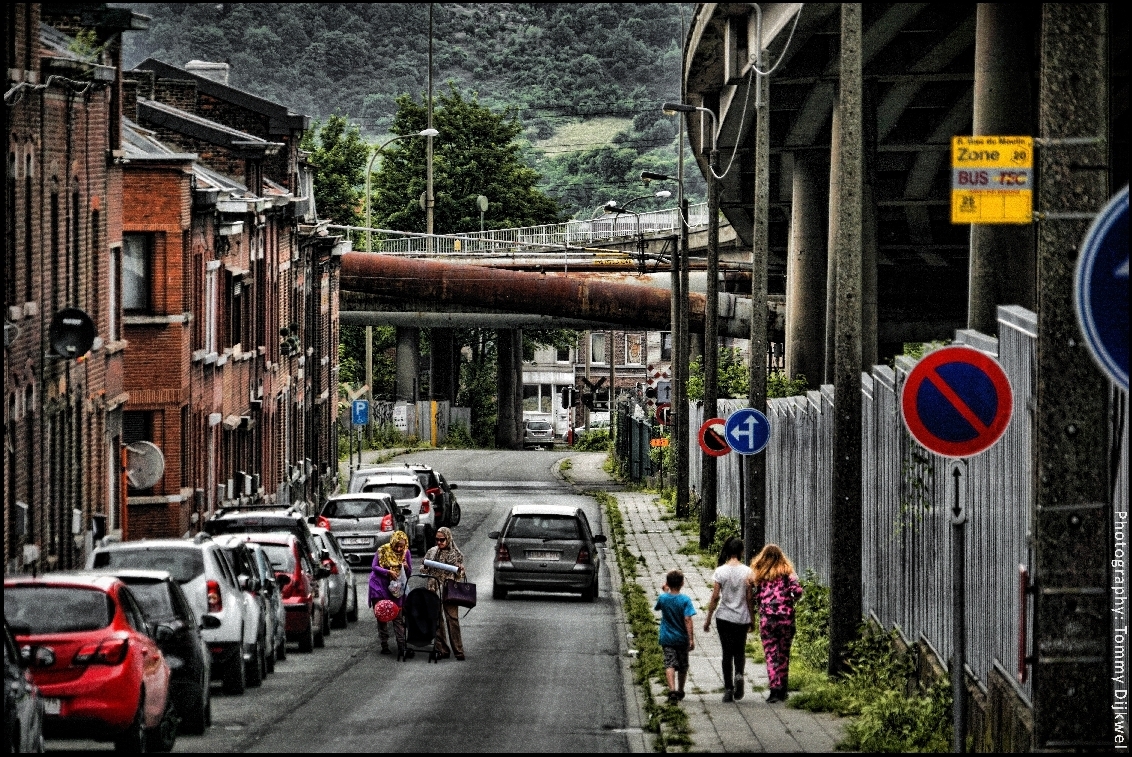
776,588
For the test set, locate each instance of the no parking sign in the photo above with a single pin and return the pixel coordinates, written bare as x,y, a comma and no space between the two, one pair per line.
957,402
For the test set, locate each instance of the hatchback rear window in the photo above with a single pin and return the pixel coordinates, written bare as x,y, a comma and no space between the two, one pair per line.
281,557
396,491
539,426
153,596
354,508
57,609
183,564
544,527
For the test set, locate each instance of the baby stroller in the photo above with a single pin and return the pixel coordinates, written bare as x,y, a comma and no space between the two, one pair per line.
421,609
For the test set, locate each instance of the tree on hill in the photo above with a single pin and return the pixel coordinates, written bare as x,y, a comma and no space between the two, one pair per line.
475,154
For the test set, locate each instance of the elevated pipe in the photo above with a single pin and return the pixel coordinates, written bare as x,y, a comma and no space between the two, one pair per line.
441,287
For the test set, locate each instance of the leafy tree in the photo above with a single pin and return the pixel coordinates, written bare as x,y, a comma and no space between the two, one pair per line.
338,155
475,154
735,379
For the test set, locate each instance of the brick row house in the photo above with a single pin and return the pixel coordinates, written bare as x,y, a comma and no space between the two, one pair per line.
177,212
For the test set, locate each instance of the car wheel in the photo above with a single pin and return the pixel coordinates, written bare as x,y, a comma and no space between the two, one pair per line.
196,719
339,619
134,738
590,594
320,634
352,613
430,537
281,647
164,736
306,643
454,515
498,592
269,656
256,666
326,625
236,681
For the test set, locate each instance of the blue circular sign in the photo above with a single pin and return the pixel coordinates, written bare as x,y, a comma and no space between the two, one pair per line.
1102,289
747,431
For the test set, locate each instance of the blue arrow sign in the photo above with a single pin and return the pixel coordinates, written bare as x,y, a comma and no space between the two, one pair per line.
1102,289
747,431
359,412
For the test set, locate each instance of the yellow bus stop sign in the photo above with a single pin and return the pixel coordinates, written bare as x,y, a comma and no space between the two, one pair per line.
992,179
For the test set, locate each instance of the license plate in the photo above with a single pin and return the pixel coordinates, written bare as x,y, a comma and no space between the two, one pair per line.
356,542
546,556
52,706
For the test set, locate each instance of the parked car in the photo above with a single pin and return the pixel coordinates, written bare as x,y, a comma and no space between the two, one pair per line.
259,643
407,492
23,704
363,522
546,548
278,616
343,594
595,425
538,434
452,509
298,578
101,675
427,477
208,583
177,630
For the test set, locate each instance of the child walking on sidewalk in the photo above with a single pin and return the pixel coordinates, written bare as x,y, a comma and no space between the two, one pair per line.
776,590
676,635
731,595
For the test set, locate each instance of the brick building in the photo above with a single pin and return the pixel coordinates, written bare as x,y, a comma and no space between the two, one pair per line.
63,413
177,214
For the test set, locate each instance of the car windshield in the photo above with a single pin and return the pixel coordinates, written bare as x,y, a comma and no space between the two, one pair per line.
57,609
354,508
183,564
281,557
153,596
539,426
396,491
544,527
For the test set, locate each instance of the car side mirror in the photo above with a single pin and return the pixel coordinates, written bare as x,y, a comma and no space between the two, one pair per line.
493,535
322,572
599,539
312,519
282,579
209,622
162,633
453,486
245,583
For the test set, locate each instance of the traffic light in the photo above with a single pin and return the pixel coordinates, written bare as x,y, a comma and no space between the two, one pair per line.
567,397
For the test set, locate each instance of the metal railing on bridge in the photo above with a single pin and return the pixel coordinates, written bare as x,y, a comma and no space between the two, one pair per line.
548,237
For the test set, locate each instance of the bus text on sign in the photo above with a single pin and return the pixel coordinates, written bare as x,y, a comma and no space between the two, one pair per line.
992,179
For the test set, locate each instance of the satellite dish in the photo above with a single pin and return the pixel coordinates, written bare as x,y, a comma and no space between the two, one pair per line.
481,201
71,334
145,464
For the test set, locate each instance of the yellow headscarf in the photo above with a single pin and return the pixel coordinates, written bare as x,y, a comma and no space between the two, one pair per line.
391,556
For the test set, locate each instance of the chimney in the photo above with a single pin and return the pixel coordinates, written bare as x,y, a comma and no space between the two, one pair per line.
218,72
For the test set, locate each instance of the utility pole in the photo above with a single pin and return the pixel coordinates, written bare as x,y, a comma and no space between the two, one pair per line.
680,336
754,506
1073,682
845,539
709,476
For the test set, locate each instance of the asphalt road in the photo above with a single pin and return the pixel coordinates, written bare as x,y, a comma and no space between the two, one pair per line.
542,671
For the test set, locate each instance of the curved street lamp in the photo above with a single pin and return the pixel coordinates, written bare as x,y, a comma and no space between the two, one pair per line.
369,170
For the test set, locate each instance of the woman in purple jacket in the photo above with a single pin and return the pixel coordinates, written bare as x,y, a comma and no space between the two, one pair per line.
389,573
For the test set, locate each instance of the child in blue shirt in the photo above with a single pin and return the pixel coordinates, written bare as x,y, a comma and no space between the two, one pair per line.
676,634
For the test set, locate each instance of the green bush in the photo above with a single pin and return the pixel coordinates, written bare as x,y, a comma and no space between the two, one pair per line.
593,441
460,437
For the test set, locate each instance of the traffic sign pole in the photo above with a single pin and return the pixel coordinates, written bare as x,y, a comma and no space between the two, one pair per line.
958,611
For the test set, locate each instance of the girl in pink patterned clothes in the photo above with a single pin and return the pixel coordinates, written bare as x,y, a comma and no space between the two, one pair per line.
776,589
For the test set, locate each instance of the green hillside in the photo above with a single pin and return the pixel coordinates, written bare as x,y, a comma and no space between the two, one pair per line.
585,80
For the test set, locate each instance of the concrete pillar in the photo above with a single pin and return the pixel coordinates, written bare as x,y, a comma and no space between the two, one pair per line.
1002,264
509,349
806,270
444,375
1075,625
845,533
831,262
408,363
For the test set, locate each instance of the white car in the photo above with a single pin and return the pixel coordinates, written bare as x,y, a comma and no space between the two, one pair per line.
211,588
408,493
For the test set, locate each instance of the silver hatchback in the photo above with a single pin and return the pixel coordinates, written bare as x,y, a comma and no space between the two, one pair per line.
538,434
362,522
546,548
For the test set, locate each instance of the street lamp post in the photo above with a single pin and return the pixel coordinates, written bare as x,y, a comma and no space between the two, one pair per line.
709,474
613,207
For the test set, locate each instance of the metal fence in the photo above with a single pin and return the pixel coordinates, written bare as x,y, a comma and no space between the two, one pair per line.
632,437
548,236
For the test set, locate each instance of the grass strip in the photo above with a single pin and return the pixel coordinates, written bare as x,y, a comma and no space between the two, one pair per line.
648,665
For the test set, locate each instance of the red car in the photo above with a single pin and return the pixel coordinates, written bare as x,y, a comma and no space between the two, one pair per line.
302,601
99,672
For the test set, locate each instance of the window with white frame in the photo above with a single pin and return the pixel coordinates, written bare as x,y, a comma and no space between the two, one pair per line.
597,347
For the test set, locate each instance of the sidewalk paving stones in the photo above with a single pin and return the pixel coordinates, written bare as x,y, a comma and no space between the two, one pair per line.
750,725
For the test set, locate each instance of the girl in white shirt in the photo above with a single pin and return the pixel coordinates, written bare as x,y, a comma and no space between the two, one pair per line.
731,605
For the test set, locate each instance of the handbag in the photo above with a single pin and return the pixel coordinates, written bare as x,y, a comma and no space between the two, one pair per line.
461,593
